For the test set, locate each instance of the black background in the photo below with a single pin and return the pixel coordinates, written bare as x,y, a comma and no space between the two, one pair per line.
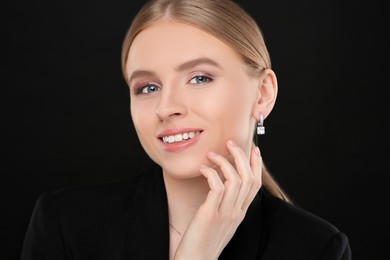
66,117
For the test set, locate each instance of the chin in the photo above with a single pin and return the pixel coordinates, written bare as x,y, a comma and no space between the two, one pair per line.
184,169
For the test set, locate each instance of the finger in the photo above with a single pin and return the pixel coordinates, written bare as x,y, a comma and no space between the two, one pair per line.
256,164
232,180
214,197
244,170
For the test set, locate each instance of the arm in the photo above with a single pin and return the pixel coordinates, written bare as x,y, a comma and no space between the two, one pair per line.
43,238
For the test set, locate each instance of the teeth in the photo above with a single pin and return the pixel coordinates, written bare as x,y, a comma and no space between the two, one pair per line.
179,137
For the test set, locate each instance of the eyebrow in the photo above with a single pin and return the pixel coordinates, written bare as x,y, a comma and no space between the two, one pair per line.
141,73
184,66
193,63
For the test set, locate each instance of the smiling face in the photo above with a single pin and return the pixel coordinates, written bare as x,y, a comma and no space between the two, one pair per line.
190,93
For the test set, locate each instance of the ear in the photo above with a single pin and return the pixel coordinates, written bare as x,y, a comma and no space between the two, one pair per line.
268,90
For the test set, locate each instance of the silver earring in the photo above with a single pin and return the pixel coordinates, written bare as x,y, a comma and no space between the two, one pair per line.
260,125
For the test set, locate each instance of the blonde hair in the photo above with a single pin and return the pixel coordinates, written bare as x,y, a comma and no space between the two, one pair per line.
223,19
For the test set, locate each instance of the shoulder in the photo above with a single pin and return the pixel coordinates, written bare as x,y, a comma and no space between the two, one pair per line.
286,215
98,199
291,226
86,219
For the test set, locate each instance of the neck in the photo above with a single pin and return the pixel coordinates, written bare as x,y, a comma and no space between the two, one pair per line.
185,196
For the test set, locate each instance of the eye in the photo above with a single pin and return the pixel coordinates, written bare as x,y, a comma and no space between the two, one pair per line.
200,80
147,89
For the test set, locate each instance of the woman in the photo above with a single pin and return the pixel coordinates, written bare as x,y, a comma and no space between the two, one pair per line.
200,80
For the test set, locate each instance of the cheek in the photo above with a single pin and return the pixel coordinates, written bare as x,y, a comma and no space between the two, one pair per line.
235,109
232,107
141,117
228,111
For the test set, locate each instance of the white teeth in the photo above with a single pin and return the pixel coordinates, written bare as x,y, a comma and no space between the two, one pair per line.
179,137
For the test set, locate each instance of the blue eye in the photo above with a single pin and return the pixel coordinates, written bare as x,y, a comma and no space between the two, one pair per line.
150,88
200,80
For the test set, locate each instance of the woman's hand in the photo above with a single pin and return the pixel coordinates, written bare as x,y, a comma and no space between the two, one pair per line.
217,219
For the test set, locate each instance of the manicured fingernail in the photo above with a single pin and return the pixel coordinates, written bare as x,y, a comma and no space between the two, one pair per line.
258,151
212,154
231,143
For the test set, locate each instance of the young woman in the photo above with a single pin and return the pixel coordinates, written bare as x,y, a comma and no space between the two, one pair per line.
200,83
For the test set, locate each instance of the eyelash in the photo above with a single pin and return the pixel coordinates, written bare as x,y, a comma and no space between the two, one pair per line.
208,78
139,90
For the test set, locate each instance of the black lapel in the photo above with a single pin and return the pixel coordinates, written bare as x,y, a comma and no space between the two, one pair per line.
246,242
148,232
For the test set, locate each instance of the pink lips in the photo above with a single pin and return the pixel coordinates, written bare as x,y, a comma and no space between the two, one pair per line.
179,146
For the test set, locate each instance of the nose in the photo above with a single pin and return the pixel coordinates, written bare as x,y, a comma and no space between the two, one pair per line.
170,105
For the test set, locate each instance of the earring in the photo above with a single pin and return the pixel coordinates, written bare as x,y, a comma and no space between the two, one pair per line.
260,125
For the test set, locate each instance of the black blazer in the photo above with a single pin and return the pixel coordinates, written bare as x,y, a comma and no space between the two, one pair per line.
128,219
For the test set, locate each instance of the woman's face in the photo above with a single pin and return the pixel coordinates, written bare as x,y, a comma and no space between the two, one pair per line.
190,93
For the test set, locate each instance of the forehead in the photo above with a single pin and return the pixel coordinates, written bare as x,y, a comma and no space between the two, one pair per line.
167,42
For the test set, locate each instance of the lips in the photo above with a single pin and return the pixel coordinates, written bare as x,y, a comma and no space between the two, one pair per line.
178,139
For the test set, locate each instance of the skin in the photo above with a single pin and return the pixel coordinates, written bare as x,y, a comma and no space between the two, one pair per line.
183,77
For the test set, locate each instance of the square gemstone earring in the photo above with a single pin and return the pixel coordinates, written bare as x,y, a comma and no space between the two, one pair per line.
260,125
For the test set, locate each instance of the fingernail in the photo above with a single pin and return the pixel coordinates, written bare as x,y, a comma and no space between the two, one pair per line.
257,150
231,143
212,154
202,167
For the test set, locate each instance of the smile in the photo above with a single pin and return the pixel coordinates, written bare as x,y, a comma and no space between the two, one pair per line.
179,137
